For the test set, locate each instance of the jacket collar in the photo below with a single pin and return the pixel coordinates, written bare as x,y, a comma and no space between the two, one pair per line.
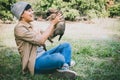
29,25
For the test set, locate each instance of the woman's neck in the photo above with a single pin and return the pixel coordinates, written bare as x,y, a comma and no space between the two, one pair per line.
23,20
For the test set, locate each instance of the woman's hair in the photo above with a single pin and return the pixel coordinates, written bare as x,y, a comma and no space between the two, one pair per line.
27,7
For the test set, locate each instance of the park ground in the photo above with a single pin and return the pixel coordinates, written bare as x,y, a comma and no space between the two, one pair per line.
95,48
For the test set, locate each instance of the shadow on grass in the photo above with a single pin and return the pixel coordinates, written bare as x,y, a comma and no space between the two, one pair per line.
10,63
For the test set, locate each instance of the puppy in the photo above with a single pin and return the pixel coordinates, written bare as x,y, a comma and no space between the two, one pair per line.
59,27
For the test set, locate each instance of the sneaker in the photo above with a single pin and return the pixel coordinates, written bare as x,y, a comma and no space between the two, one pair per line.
64,72
72,63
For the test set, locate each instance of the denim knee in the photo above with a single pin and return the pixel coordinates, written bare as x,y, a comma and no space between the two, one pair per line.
66,44
60,59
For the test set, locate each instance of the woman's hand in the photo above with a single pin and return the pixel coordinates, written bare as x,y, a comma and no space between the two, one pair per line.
57,19
50,29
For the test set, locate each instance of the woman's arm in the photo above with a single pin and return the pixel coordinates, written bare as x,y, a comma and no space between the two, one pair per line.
32,36
50,29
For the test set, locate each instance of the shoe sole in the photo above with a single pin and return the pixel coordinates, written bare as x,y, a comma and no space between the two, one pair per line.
65,75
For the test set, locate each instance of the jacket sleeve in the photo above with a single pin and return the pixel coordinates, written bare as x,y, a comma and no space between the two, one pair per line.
30,36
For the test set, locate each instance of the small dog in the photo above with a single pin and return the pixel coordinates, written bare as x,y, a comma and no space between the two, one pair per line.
59,27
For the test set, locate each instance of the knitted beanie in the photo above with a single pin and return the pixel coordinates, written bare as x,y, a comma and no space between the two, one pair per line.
18,8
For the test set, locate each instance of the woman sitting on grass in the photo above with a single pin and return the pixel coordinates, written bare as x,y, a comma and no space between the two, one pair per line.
30,45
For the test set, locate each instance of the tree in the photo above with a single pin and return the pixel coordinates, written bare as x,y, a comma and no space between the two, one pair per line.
5,9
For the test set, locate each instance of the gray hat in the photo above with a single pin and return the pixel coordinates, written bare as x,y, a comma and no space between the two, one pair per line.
18,8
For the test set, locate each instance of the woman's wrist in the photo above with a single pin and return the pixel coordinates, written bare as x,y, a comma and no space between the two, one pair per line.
53,22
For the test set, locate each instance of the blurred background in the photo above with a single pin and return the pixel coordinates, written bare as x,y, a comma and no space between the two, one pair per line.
92,29
74,10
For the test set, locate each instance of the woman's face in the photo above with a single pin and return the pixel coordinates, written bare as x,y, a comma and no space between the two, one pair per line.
28,15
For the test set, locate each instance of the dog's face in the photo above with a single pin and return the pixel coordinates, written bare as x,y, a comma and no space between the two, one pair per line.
52,13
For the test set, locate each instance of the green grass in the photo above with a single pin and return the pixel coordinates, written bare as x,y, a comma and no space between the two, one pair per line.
95,59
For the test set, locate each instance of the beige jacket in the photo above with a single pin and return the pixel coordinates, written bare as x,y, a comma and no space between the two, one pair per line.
27,41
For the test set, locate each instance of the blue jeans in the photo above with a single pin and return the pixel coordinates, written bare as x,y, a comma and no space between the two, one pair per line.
53,59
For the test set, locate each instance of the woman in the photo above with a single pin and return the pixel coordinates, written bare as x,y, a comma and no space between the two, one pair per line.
30,45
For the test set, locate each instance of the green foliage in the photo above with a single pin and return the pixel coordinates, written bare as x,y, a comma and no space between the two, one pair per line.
91,13
114,10
73,8
41,6
5,9
70,8
71,14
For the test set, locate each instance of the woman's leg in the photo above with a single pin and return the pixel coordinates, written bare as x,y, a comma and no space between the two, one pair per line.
64,49
49,63
54,58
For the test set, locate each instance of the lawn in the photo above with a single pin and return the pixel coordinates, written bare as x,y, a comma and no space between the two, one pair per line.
95,48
